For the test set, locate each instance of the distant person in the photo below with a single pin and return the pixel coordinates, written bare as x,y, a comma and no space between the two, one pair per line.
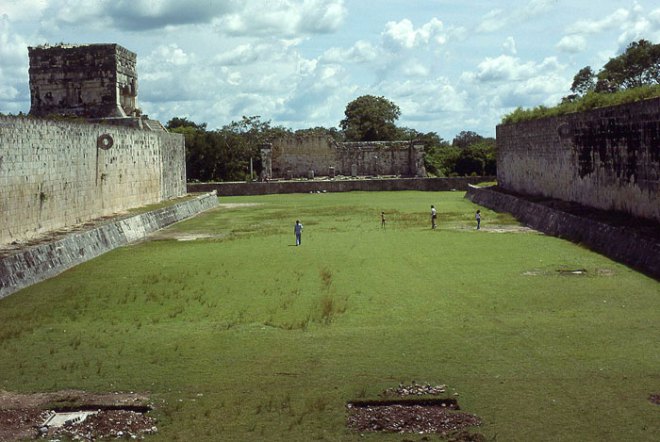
297,229
382,219
434,217
477,216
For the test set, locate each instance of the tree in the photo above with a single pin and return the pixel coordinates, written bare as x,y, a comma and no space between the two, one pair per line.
178,122
332,132
639,65
224,154
478,159
584,81
370,118
464,139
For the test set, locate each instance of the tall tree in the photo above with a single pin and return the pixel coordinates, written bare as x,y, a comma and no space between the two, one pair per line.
464,139
584,81
639,65
370,118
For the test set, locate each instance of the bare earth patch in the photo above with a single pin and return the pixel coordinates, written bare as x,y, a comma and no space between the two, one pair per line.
179,236
237,205
409,413
116,415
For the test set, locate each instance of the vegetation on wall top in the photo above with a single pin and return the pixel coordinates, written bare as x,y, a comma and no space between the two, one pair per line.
632,76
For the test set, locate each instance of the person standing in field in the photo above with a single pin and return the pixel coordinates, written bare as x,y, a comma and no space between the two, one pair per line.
382,219
434,216
297,229
477,216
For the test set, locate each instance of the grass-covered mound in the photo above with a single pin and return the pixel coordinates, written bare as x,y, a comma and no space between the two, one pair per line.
237,334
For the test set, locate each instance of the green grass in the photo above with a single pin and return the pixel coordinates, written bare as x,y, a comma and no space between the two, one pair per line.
243,336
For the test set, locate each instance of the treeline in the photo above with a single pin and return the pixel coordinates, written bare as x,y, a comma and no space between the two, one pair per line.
632,76
232,153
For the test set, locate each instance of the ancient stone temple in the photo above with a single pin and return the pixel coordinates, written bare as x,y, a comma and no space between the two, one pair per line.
91,81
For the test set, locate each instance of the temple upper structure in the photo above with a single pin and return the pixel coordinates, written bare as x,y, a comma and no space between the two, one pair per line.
91,81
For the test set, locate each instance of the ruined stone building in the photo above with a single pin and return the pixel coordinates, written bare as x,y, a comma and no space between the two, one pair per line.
56,173
93,81
293,157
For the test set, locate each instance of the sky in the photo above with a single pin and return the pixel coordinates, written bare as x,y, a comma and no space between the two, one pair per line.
450,65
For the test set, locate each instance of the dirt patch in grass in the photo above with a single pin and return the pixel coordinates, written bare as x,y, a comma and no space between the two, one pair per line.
654,398
181,236
237,205
414,409
409,417
116,415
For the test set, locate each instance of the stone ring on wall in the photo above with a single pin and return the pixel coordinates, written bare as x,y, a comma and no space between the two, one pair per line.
104,141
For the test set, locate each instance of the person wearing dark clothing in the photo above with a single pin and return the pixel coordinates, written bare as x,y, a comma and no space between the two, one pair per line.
297,229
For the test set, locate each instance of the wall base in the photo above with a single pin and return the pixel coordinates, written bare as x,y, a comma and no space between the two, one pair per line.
365,185
618,243
44,261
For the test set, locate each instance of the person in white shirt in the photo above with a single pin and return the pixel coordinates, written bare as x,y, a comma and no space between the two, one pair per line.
434,216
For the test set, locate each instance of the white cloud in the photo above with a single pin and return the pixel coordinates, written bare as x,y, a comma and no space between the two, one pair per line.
510,45
498,19
403,34
612,21
361,52
508,68
285,17
14,66
22,10
416,69
572,44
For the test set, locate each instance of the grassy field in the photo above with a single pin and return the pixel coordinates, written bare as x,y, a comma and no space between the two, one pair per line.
239,335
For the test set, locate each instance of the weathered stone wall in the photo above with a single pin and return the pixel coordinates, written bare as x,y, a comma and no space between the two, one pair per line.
54,174
375,185
606,158
293,157
97,80
34,264
639,251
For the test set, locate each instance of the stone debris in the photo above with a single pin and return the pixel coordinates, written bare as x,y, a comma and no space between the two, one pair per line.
415,390
408,418
107,424
74,415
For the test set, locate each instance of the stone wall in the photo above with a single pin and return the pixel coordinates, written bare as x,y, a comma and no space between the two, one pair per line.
619,243
606,158
57,174
365,185
96,80
34,264
293,157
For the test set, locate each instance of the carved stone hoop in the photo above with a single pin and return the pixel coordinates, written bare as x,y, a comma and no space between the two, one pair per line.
104,141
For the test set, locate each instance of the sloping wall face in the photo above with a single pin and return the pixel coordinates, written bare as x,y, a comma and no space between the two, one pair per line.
297,156
606,158
58,174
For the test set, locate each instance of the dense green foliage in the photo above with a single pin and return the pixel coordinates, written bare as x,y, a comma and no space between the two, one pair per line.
629,77
224,154
638,66
370,118
241,336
